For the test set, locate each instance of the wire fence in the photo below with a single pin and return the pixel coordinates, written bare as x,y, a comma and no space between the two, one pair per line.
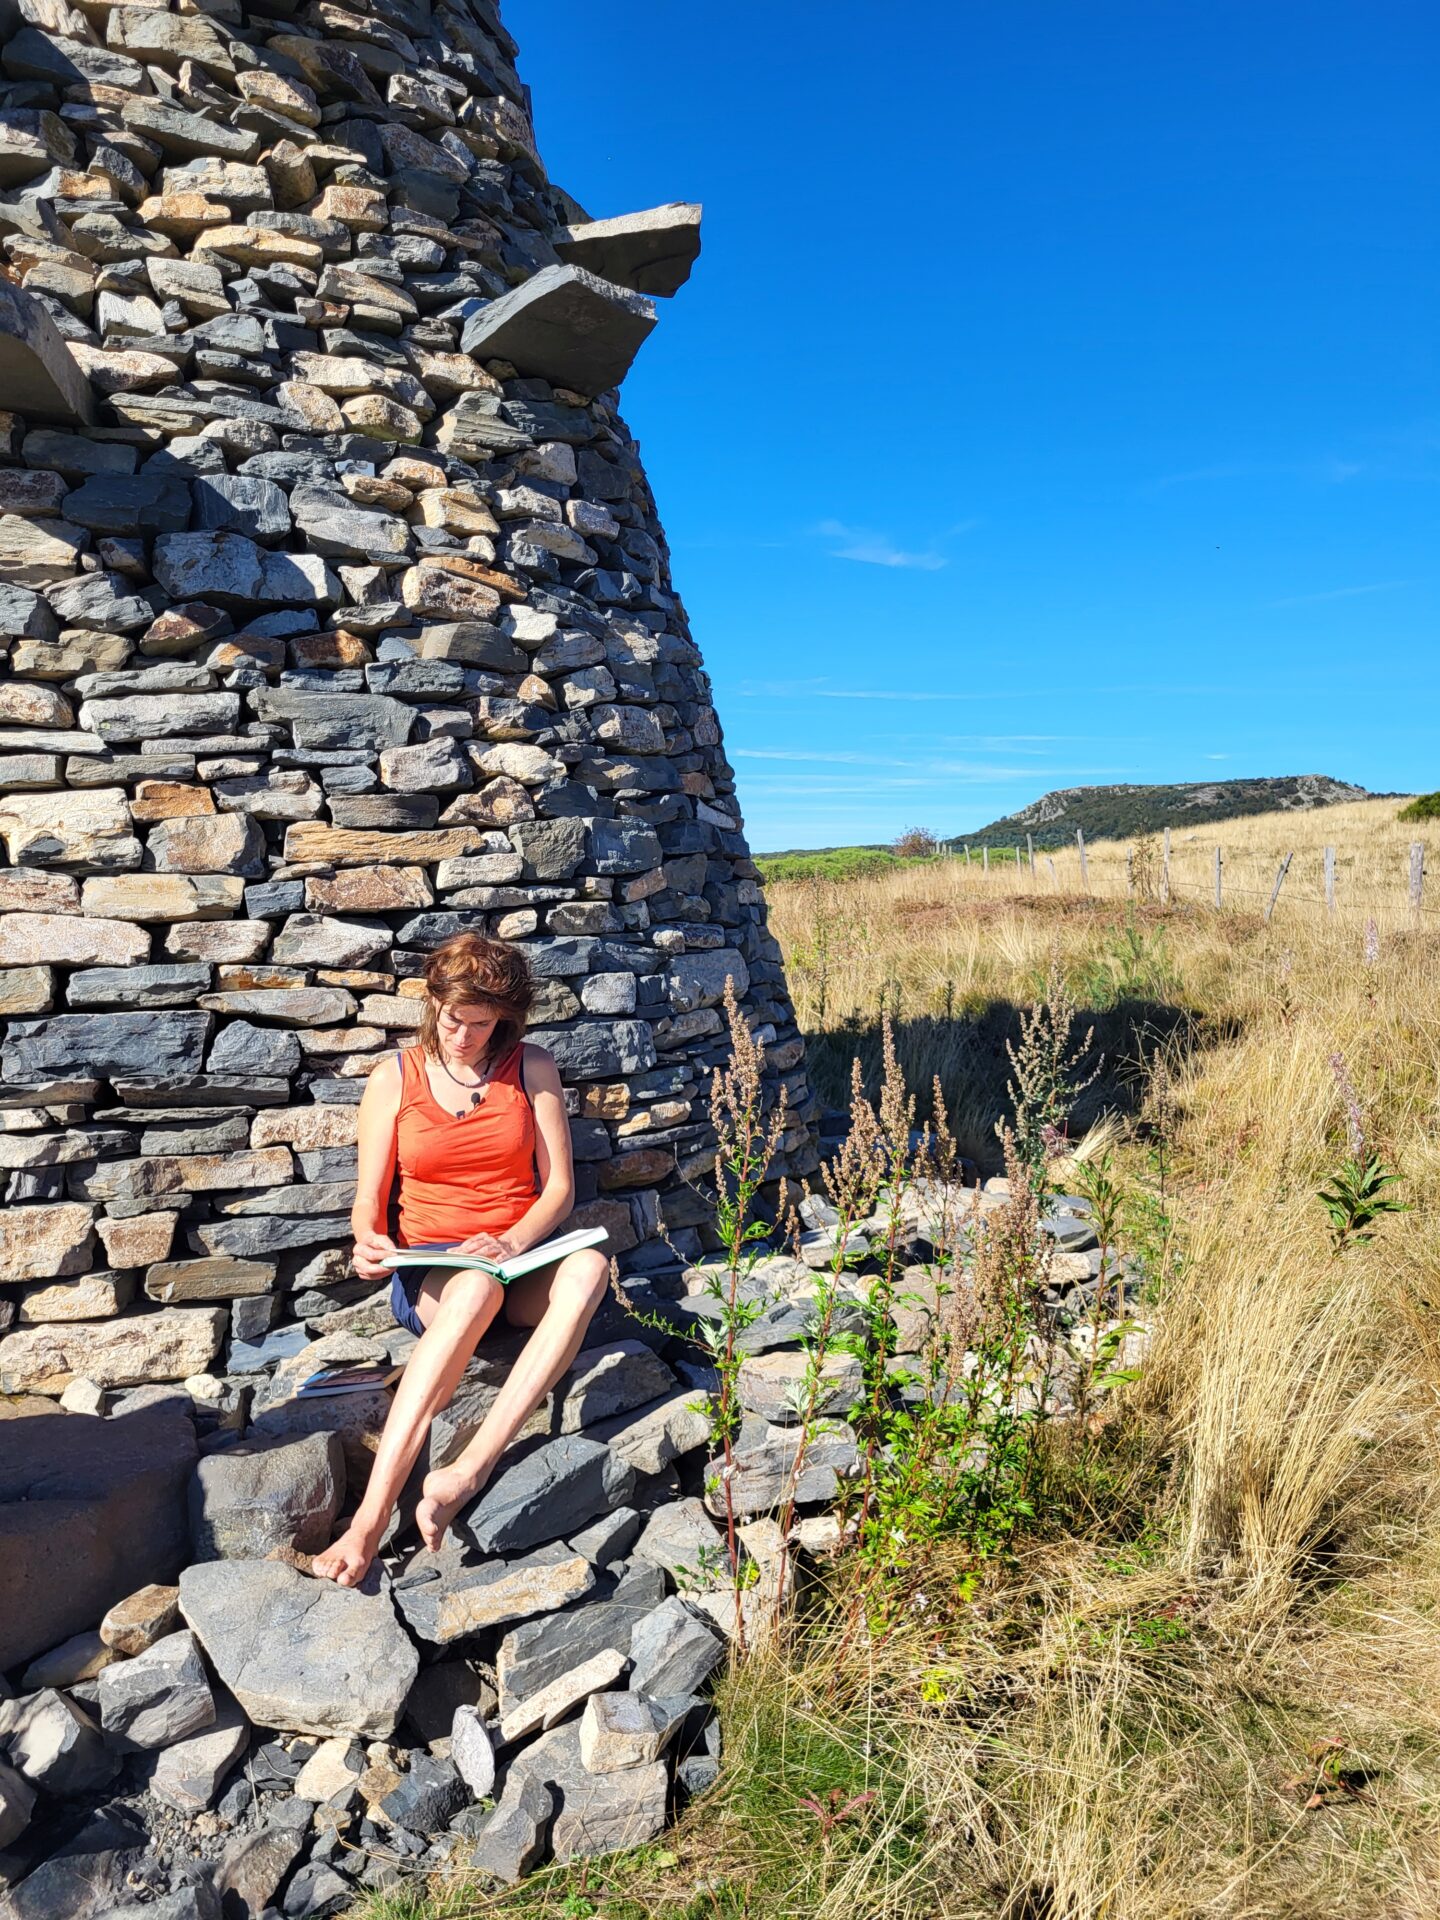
1387,878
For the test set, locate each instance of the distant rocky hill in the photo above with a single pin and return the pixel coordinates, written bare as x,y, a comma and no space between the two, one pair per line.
1121,812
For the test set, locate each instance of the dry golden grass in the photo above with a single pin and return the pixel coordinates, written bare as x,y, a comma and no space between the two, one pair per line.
1240,1575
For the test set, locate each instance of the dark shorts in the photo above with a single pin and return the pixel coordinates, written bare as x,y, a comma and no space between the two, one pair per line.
405,1284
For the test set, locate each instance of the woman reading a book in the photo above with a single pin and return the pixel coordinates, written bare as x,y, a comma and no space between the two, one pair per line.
473,1123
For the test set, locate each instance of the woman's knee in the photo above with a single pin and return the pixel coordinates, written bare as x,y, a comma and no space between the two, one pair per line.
583,1281
471,1299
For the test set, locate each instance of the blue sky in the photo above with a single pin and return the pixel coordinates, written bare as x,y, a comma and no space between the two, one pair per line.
1055,399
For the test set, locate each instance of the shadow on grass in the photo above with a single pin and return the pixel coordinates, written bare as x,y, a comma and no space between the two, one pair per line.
968,1053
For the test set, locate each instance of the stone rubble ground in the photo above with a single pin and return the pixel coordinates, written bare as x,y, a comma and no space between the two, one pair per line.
533,1690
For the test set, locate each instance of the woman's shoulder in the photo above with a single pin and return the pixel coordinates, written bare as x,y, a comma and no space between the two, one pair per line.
538,1064
386,1077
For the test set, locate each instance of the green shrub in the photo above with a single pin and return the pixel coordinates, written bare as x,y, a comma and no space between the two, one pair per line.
1425,806
830,863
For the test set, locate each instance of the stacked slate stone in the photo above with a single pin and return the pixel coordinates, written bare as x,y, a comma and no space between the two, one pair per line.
236,1736
335,618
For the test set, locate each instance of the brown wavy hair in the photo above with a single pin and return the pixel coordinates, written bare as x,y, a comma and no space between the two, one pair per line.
469,970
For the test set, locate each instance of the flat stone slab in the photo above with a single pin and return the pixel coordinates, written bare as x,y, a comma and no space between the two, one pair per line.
455,1599
301,1654
189,1775
90,1510
554,1490
531,1656
39,376
650,252
566,326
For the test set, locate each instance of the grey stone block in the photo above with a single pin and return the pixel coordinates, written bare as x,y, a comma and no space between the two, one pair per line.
38,374
673,1652
90,1511
650,252
513,1839
299,1653
158,1697
54,1744
104,1043
565,325
249,1500
545,1494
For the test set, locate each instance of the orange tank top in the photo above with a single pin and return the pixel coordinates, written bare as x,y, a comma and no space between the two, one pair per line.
474,1173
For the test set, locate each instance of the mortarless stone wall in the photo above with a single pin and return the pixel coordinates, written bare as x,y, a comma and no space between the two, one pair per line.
336,616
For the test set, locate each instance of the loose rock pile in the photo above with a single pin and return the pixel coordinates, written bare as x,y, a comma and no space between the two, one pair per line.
222,1733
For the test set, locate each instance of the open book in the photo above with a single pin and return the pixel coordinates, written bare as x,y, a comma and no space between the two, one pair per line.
511,1269
333,1380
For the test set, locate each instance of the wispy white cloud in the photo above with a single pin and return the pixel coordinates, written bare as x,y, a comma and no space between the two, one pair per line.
875,693
874,549
1338,593
927,696
1328,470
824,755
1219,756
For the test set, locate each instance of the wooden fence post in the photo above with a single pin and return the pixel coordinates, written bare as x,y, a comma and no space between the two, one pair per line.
1275,890
1084,865
1030,851
1219,865
967,853
1417,874
1130,871
1165,871
1053,874
1330,878
985,856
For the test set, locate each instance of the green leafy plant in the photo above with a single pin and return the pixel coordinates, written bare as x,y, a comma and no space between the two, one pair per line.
1358,1195
1357,1198
950,1445
1131,964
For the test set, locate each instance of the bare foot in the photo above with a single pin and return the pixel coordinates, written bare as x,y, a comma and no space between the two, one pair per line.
445,1492
348,1560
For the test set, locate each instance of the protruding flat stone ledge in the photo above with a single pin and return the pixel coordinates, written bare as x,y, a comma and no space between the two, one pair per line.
650,252
564,325
38,373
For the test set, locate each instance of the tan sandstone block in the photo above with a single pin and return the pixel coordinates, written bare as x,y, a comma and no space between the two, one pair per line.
89,1296
306,1128
369,890
169,800
128,1352
44,1242
35,939
137,1242
26,990
308,840
164,896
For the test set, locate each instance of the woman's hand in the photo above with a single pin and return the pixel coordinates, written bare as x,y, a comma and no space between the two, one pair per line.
370,1253
489,1246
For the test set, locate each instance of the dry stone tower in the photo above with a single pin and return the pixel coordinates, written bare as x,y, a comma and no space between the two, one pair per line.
336,616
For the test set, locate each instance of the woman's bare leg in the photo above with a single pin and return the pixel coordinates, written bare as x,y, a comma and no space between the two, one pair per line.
560,1308
454,1309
